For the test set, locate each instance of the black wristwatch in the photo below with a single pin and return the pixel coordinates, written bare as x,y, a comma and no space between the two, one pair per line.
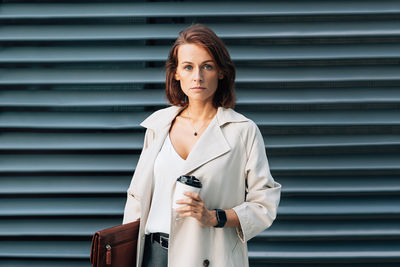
221,218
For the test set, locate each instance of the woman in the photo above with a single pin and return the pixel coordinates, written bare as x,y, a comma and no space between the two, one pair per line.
200,135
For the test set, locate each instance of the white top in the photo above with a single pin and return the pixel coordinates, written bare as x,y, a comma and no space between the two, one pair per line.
167,168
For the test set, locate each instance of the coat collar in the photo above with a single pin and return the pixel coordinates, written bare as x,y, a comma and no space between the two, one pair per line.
164,117
211,144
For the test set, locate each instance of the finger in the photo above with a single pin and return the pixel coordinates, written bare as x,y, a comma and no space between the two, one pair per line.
188,208
189,214
193,195
183,208
181,201
188,201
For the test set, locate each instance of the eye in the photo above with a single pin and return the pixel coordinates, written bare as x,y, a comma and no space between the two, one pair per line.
208,67
187,67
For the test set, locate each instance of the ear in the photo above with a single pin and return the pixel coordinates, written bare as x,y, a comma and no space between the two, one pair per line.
220,76
177,76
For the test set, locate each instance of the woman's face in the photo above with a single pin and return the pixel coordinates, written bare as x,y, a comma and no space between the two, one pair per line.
197,72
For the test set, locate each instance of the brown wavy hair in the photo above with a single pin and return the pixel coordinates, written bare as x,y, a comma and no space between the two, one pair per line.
203,36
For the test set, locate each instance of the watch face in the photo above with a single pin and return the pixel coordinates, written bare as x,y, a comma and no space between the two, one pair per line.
221,217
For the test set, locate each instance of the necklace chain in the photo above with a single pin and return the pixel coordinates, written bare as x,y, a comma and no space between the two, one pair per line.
191,122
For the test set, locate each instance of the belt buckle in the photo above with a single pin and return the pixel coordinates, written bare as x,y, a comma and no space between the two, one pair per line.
164,242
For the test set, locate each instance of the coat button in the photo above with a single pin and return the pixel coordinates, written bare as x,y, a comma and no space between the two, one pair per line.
206,263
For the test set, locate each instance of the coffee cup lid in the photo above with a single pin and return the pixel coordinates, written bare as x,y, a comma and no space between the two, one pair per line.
190,180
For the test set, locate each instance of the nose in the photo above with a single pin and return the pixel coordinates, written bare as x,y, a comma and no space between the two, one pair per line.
197,75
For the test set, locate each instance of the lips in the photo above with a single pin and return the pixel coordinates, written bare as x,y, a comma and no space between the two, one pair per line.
198,88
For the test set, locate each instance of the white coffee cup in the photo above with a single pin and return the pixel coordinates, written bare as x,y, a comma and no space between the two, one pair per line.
185,183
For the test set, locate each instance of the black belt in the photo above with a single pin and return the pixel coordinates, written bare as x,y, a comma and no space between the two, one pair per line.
160,238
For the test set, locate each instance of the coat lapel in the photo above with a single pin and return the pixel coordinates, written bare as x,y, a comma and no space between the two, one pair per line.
211,144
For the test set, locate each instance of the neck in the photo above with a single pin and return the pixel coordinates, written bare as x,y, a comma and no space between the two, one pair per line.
200,111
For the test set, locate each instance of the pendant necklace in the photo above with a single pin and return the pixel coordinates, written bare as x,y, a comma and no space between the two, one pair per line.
191,122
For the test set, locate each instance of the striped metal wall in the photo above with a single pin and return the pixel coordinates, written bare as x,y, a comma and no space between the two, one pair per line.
320,78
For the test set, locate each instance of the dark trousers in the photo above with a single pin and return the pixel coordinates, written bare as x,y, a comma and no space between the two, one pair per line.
154,254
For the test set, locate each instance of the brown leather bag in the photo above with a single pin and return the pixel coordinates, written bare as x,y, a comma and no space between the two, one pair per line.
115,246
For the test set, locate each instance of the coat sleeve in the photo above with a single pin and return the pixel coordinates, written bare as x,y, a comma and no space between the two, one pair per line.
132,206
259,209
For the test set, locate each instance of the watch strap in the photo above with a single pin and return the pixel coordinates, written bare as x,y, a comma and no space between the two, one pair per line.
221,218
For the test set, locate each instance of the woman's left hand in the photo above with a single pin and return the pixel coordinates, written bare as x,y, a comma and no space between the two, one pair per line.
195,208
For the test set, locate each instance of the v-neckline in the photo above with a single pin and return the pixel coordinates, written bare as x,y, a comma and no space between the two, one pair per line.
173,148
195,144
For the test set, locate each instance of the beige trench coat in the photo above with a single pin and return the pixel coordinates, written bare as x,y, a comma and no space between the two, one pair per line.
230,160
